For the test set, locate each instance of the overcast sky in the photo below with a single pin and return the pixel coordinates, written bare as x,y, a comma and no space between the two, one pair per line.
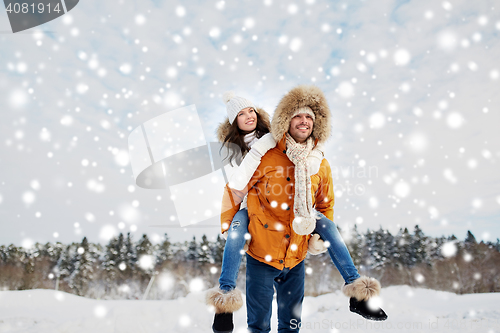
413,87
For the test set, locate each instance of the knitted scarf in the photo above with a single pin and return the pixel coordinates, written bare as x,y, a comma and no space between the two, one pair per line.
250,139
304,222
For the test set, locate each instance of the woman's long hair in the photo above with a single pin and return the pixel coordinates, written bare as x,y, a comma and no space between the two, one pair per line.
236,135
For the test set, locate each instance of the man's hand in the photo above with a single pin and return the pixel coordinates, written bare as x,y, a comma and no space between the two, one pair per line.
316,245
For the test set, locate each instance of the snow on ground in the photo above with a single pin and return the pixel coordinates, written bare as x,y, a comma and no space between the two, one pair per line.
409,309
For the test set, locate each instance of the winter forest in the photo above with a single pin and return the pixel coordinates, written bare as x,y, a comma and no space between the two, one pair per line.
413,88
136,269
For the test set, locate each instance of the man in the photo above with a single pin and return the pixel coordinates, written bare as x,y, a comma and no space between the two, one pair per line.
281,197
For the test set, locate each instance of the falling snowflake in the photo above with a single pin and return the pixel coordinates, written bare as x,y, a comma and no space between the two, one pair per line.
419,277
90,217
126,68
292,9
140,19
184,320
165,281
448,249
345,89
402,189
249,23
295,44
28,198
447,40
196,285
180,11
402,57
66,120
100,311
377,120
18,99
214,32
82,88
146,262
107,232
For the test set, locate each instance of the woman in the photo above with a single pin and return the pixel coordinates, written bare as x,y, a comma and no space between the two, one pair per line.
247,127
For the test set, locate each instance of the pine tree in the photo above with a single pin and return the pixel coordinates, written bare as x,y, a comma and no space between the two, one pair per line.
218,249
83,268
356,247
419,244
165,250
144,253
119,259
3,255
406,255
64,266
144,246
192,251
205,255
470,238
129,252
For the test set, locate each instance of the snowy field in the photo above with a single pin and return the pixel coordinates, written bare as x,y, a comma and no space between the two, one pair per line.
409,309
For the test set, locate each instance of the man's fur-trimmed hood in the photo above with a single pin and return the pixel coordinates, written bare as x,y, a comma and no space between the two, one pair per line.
300,96
225,126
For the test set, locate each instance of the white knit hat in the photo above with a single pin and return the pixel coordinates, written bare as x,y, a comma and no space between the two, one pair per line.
234,104
304,109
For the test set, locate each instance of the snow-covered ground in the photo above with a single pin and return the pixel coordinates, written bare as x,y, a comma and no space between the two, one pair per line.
409,309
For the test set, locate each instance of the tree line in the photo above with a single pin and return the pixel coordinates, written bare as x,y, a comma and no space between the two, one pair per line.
128,269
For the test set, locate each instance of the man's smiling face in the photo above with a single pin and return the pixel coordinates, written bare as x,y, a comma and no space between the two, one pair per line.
301,127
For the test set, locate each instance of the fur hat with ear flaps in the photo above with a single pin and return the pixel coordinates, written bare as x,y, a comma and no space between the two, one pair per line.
225,126
300,96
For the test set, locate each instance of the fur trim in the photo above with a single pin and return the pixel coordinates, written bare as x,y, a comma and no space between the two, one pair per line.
300,96
362,288
225,126
224,302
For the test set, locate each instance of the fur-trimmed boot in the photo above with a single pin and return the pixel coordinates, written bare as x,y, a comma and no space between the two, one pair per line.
224,303
360,291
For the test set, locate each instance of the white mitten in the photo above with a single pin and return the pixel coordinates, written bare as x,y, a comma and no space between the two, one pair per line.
314,160
261,147
316,245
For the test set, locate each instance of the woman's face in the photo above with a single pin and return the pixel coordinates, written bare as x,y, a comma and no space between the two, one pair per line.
247,119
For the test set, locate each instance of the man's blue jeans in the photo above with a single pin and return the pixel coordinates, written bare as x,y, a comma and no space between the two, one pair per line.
337,250
289,284
233,250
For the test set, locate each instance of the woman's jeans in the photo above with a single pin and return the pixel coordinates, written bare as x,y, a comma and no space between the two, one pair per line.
233,250
337,250
326,229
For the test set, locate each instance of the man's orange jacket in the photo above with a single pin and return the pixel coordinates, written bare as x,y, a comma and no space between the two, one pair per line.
270,208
